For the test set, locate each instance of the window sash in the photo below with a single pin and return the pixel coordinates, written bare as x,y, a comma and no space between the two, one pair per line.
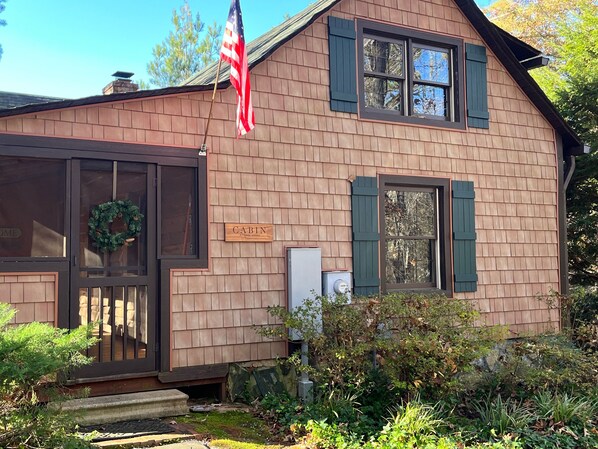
434,239
440,260
451,114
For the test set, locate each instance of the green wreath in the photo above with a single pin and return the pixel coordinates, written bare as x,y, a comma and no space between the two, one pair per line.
103,214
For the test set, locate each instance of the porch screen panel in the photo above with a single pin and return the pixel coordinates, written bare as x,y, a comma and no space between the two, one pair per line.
96,188
178,214
32,207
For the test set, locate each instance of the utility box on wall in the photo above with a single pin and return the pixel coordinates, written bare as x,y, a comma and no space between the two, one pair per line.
304,277
337,283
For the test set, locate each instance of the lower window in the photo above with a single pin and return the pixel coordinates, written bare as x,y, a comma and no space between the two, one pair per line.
415,241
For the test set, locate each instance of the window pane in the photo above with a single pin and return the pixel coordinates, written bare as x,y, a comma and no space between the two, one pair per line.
429,100
410,261
410,214
383,57
431,65
383,94
32,207
179,225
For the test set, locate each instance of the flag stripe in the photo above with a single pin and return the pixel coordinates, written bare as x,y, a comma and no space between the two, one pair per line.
233,51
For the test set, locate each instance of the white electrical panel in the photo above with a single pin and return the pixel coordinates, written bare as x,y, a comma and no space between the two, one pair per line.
304,277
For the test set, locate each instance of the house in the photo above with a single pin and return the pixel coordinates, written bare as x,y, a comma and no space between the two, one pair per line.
404,138
14,100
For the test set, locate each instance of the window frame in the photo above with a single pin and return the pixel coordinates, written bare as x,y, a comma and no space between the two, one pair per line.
443,274
456,100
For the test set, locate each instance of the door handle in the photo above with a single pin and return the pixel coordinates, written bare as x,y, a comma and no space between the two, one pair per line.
75,261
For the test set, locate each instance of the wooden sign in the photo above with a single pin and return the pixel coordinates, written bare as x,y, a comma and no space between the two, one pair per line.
10,233
237,232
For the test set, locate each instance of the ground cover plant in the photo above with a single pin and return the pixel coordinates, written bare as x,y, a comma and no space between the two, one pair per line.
397,372
34,359
233,429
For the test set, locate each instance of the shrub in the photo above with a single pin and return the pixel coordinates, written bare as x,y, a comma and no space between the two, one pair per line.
33,360
413,426
583,313
545,363
418,342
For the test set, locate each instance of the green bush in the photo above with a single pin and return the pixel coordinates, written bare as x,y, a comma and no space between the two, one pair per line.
413,426
33,360
417,342
531,365
583,317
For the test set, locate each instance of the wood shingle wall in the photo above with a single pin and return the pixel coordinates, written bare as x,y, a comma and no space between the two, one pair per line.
294,170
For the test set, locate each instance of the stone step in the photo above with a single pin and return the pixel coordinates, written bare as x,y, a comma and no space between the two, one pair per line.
124,407
163,441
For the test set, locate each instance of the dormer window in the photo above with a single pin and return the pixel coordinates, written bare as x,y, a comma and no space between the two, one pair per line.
409,76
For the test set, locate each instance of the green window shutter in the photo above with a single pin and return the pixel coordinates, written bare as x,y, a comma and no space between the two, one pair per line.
364,213
343,84
477,87
464,237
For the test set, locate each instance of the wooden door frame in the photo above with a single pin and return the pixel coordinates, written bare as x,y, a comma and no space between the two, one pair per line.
121,367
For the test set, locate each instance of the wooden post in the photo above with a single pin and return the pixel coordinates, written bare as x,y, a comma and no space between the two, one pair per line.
203,147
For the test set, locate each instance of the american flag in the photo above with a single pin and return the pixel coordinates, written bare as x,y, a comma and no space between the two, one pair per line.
233,51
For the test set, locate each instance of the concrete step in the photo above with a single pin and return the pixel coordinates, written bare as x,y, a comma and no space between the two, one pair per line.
124,407
181,441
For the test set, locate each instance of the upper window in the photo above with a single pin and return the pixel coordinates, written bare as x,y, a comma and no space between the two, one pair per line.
409,76
415,246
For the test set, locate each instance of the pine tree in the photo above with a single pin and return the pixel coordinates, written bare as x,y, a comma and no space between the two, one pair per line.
186,50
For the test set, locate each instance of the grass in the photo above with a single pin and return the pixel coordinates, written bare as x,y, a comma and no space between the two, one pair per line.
233,430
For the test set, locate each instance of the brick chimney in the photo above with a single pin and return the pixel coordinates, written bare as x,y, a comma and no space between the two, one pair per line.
122,84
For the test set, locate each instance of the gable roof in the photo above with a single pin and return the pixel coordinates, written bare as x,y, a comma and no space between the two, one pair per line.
260,48
98,99
508,49
10,100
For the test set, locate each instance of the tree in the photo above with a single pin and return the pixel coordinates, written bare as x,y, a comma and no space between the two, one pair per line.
2,22
184,52
539,23
568,32
577,101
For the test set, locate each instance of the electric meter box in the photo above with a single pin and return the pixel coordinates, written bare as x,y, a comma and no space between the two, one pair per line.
336,282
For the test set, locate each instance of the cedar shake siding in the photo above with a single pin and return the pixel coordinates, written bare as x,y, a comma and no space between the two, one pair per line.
33,295
295,171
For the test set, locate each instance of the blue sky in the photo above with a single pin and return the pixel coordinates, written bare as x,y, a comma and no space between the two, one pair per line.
69,48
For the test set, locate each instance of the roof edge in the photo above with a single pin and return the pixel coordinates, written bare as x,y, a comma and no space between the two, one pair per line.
100,99
489,32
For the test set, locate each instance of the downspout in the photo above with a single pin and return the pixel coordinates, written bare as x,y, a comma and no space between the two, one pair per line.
570,171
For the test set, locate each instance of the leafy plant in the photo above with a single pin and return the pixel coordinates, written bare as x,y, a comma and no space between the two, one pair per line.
33,360
583,313
565,408
418,342
502,416
545,363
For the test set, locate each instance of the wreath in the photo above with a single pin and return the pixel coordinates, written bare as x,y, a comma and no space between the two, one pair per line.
103,214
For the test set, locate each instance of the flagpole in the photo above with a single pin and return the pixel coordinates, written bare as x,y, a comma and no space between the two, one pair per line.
203,149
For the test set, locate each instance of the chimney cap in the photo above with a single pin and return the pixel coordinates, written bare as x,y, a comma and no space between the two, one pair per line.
123,75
